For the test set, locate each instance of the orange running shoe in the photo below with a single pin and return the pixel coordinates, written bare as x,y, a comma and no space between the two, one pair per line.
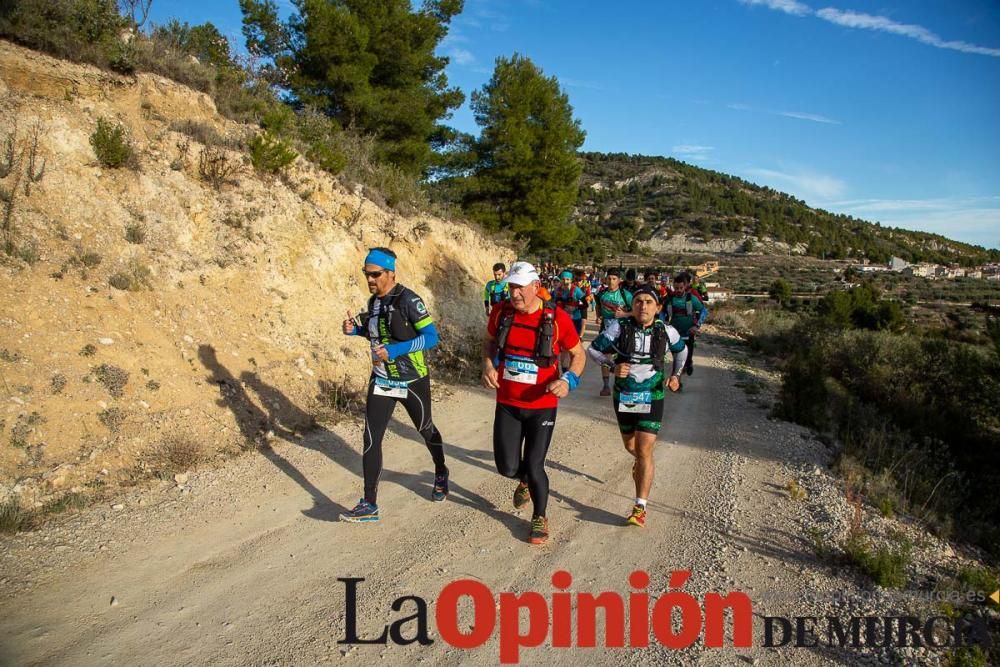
521,495
539,530
638,517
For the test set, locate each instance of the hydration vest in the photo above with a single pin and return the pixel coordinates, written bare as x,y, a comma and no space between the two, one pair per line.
625,344
688,306
400,328
545,334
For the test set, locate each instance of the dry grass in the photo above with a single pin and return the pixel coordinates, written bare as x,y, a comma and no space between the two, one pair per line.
176,454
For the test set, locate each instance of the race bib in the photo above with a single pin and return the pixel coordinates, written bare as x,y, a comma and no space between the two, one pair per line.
639,402
391,388
523,371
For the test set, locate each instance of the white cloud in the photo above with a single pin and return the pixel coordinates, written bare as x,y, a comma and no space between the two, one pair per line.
693,152
860,21
461,56
577,83
881,23
802,184
787,6
808,116
801,115
686,149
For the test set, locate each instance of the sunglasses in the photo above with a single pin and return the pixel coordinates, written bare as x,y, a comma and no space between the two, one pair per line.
372,274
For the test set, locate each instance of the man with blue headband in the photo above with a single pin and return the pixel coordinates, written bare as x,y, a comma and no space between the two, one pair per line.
399,329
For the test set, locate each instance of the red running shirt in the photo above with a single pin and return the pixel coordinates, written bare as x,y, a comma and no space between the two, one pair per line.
524,393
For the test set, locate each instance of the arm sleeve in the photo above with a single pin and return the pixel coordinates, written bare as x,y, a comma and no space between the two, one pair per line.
679,359
606,340
597,355
427,339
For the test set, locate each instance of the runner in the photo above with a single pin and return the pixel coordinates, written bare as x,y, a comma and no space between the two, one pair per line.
629,284
571,299
496,289
638,345
529,334
686,312
581,280
612,302
399,329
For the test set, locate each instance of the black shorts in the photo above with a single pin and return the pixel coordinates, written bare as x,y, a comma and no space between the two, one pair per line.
644,422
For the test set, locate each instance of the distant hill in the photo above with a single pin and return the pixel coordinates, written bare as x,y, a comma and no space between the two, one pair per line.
668,205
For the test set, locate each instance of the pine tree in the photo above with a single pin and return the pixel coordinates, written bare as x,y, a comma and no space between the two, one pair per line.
528,171
369,65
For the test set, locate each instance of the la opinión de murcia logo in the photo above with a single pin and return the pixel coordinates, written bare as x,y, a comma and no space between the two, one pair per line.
631,622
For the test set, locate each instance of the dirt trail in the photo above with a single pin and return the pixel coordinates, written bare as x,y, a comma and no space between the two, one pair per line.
243,569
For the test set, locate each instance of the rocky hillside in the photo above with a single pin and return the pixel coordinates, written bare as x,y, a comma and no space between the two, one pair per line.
142,303
670,206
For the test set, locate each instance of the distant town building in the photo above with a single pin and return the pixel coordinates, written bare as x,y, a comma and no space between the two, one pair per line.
897,264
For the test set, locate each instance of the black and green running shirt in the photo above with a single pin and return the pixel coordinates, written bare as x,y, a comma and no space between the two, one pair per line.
642,375
401,302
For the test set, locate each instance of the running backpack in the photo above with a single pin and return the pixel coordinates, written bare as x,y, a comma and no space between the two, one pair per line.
545,335
688,306
625,344
399,328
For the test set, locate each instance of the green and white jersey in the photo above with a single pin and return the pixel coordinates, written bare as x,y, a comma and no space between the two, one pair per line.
642,375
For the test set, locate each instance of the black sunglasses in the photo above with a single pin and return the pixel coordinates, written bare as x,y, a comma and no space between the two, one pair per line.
372,274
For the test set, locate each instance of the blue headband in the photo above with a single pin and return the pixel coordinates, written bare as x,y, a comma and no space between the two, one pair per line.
379,258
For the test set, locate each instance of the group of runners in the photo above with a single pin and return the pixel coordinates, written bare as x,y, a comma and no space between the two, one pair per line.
533,356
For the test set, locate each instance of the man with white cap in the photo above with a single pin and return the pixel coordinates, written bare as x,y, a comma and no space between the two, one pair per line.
528,334
399,329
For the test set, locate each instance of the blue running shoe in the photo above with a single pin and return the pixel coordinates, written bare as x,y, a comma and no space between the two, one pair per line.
363,512
440,487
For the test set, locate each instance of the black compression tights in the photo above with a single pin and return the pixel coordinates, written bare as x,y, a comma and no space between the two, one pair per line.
377,413
514,427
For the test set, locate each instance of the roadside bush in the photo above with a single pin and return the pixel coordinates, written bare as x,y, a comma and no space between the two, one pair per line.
203,133
12,517
269,154
925,412
215,167
175,454
111,144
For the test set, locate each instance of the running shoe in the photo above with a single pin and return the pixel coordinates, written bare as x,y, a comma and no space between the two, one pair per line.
521,495
363,512
440,491
539,530
638,516
605,391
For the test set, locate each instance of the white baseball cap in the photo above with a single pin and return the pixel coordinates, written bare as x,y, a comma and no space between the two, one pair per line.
522,273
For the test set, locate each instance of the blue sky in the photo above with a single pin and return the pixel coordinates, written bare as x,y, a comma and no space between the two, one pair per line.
883,110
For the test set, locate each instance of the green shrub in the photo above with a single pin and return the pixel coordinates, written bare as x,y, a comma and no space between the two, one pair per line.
68,501
12,517
921,412
120,281
886,565
135,233
90,259
111,145
88,350
269,154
